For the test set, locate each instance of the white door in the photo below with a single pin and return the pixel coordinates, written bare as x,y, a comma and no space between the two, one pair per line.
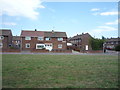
86,47
49,46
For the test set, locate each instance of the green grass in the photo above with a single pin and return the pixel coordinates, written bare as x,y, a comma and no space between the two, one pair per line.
60,71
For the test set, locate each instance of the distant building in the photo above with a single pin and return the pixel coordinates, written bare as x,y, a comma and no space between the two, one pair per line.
16,41
81,42
5,39
111,43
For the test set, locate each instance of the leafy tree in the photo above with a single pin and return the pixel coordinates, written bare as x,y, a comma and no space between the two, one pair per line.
96,44
103,38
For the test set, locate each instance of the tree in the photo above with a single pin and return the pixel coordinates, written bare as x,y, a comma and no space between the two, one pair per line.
103,38
96,44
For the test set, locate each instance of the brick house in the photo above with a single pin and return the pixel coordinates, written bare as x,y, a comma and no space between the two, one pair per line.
111,43
5,39
81,42
43,40
16,41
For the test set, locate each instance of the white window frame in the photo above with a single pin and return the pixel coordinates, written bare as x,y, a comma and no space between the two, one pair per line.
60,45
27,38
47,39
40,45
1,45
1,37
60,39
40,38
27,44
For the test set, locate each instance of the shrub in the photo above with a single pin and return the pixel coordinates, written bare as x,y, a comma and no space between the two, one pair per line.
117,48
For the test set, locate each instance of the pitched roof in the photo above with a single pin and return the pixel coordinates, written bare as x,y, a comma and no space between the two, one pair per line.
80,36
42,33
5,32
32,33
16,38
55,34
112,39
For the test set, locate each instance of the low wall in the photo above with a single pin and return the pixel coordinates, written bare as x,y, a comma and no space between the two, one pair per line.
39,51
10,50
94,51
61,51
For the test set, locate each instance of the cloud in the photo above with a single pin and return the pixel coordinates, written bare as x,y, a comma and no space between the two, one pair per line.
95,9
25,8
109,13
9,23
102,29
112,23
96,13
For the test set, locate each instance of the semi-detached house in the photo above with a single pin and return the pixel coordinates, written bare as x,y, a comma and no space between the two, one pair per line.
43,40
5,39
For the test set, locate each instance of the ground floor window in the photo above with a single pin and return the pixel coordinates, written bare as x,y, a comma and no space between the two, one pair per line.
1,37
1,45
59,45
27,45
40,46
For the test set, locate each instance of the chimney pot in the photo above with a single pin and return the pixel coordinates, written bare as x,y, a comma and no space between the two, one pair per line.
52,31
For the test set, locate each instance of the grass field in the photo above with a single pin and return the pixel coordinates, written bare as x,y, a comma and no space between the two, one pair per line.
60,71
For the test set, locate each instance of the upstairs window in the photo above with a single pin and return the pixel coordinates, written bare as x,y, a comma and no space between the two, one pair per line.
47,39
40,38
1,37
112,42
27,38
60,39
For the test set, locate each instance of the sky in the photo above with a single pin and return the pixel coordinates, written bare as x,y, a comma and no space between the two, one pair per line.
96,18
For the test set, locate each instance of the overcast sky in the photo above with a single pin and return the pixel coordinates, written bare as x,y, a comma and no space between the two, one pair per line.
97,18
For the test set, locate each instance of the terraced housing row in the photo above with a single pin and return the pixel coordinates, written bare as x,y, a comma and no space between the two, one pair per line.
45,41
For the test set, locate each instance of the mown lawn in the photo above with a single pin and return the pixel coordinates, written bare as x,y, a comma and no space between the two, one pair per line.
60,71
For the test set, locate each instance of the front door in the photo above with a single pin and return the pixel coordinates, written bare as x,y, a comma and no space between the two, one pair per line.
86,47
49,46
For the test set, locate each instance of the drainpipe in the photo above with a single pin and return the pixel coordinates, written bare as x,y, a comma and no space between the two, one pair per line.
21,44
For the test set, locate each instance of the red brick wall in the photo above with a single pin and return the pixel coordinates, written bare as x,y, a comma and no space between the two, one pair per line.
5,42
11,50
34,41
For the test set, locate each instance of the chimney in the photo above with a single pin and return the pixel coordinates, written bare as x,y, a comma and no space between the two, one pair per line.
35,29
52,31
